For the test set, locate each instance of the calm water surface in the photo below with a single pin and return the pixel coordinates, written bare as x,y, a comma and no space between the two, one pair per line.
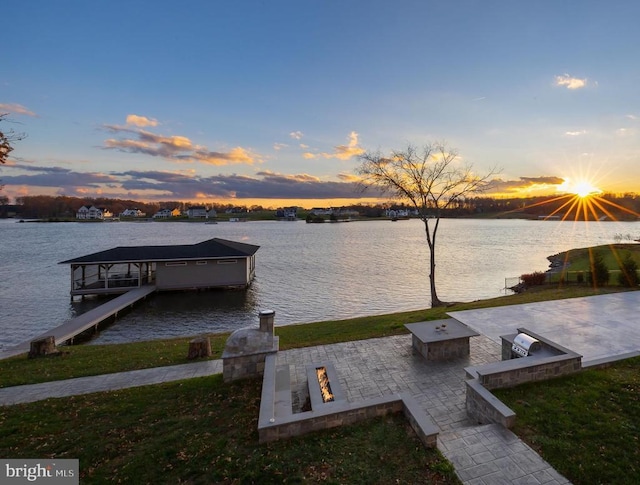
305,272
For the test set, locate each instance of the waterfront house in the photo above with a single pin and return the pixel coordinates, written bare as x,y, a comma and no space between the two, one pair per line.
197,212
92,212
321,211
167,213
215,263
132,213
287,213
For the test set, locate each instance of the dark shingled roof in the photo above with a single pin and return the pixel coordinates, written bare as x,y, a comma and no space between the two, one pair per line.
213,248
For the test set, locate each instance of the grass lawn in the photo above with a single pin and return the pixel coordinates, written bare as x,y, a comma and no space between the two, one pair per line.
580,260
203,431
87,360
587,426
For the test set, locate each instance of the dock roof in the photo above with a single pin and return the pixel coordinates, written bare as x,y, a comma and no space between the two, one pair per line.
212,249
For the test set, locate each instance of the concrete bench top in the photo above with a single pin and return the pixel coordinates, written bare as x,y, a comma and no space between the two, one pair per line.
440,330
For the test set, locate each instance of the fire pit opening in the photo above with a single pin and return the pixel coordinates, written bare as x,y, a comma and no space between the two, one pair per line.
325,386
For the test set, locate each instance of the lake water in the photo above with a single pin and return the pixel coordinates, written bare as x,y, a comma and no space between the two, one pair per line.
305,272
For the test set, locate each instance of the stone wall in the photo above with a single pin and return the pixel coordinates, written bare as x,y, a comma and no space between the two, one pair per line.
277,421
510,373
485,408
443,350
243,366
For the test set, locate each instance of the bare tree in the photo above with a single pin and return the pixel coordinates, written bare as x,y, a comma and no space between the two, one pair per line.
430,179
6,139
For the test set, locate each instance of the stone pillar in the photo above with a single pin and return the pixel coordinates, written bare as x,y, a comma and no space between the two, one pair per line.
266,321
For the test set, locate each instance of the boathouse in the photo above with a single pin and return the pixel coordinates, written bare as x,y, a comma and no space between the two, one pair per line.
216,263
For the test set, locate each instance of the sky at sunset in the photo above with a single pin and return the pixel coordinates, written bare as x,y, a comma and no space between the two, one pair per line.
271,102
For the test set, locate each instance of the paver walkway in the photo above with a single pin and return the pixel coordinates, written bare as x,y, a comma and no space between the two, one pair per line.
107,382
481,454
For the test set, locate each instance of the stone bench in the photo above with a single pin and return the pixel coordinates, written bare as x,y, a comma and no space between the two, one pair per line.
282,392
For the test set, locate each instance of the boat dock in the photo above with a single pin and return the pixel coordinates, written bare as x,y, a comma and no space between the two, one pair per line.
71,328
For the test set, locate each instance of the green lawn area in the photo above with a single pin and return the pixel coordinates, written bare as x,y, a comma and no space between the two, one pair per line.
203,431
580,260
87,360
587,426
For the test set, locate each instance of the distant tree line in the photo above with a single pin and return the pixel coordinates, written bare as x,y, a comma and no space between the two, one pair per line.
619,206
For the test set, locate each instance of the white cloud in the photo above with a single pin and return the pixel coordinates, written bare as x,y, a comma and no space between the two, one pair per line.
570,82
296,135
279,146
141,121
575,133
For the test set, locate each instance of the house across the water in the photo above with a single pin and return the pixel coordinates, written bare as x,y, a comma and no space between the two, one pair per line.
216,263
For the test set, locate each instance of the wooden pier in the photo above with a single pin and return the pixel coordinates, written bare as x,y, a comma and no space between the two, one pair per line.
71,328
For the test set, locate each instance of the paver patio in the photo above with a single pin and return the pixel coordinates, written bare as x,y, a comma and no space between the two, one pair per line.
598,327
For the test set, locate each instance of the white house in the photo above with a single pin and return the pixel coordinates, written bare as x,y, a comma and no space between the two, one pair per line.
167,213
132,213
89,213
321,211
197,212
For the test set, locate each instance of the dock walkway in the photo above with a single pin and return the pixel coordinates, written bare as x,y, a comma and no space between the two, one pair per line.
68,330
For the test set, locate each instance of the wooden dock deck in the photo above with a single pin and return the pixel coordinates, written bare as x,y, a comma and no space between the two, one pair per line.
68,330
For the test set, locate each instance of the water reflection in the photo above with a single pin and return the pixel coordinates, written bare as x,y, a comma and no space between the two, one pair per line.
305,272
174,314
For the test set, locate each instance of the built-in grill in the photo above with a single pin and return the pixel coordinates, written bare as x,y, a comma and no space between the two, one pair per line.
523,345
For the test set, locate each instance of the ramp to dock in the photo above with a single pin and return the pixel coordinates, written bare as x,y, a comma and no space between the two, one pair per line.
68,330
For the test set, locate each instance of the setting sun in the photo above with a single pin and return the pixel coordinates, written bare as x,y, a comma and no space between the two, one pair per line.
585,189
581,188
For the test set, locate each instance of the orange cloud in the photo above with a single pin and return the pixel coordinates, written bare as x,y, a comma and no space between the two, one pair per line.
176,148
141,121
349,177
16,109
234,156
342,152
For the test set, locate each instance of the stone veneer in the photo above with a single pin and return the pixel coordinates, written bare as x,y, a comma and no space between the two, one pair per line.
277,421
484,407
246,349
441,339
